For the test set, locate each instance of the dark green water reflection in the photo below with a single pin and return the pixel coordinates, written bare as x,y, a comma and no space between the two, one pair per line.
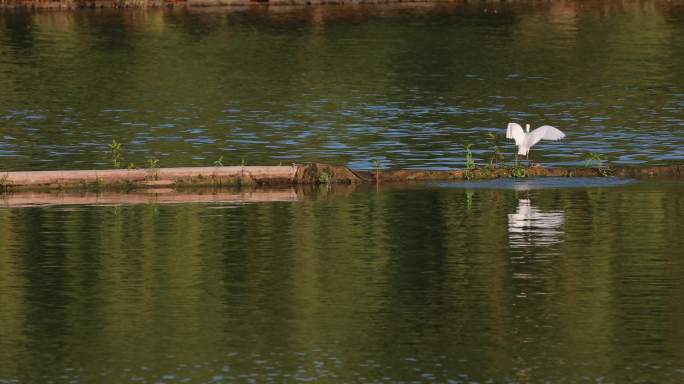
435,284
408,85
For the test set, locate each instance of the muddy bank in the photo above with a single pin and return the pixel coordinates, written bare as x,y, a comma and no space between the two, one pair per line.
296,174
483,173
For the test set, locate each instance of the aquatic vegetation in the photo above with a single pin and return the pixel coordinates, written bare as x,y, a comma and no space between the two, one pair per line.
488,170
518,171
219,162
115,153
153,163
153,168
470,162
593,157
497,155
602,164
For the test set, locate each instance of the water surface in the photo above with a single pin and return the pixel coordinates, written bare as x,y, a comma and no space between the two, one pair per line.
407,85
431,284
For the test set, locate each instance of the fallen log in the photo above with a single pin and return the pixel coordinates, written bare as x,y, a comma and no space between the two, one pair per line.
296,174
230,176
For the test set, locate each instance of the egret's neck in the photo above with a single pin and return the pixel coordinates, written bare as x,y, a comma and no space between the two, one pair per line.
527,128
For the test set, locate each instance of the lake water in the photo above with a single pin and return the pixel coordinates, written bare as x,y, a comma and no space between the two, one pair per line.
406,85
508,281
460,283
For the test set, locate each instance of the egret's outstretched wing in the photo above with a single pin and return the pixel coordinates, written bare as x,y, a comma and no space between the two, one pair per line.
545,132
514,131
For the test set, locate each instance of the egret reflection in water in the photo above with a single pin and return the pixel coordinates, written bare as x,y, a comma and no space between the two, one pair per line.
529,226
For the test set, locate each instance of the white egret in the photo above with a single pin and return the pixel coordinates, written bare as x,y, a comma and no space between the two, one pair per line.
526,139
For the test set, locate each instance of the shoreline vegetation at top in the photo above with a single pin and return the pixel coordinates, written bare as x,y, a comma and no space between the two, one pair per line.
93,4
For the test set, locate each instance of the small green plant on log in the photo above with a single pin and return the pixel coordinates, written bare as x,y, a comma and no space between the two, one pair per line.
219,162
518,171
153,168
497,156
488,170
601,163
591,158
470,162
132,166
115,153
